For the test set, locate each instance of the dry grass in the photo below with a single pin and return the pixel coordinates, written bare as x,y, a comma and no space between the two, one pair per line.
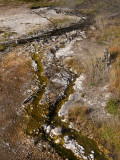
61,3
106,134
115,71
109,34
75,65
109,136
64,22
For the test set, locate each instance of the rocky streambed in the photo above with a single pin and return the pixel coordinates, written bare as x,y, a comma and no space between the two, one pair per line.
56,84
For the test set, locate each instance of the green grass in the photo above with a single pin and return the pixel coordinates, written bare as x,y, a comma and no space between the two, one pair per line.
113,106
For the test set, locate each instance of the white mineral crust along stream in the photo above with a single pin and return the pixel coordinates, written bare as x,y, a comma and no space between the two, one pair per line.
77,149
78,86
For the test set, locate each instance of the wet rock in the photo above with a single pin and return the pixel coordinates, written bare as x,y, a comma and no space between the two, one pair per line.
57,131
57,141
54,49
79,39
48,130
75,147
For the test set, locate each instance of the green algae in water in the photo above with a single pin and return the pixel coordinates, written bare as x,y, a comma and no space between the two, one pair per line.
54,115
87,143
37,112
38,118
63,152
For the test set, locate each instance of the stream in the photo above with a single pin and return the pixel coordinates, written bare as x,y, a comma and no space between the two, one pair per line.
56,84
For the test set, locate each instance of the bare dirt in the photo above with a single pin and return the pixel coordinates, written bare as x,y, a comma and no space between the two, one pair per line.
22,20
17,81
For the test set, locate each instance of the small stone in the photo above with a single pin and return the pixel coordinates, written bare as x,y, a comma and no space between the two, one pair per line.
57,131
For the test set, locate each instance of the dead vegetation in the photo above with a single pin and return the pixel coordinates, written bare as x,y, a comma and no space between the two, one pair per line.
105,133
75,65
115,71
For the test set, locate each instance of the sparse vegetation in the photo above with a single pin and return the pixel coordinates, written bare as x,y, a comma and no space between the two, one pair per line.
106,134
109,34
61,22
115,71
61,3
75,65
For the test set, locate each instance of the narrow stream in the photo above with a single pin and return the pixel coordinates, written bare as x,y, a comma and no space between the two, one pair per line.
70,144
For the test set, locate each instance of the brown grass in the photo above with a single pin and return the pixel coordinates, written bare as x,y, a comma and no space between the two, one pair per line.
75,65
115,71
106,134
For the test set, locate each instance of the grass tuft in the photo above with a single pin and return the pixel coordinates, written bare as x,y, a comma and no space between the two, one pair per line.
113,106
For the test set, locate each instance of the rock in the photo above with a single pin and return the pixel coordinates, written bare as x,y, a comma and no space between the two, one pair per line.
79,39
54,49
48,130
57,131
73,145
57,141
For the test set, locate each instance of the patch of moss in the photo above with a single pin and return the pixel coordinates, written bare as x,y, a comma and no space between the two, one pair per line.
82,95
113,106
2,47
55,119
37,112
